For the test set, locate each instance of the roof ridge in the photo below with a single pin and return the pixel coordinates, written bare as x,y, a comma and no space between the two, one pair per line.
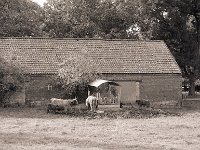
101,39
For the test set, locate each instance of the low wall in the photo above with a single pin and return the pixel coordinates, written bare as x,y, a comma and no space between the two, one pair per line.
191,103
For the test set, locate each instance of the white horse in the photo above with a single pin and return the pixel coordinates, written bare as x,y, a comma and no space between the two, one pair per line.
92,103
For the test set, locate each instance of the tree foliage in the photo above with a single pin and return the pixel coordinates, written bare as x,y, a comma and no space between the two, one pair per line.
96,19
178,23
20,18
11,79
75,73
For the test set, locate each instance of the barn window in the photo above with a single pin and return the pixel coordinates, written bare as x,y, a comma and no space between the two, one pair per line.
49,87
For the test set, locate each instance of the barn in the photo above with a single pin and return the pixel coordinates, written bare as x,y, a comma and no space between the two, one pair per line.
143,69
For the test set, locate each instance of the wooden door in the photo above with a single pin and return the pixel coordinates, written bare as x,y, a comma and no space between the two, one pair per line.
129,91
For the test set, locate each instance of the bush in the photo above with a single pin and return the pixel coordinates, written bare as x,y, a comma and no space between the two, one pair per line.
11,79
125,113
74,75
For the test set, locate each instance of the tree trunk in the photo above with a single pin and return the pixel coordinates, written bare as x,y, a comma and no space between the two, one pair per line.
198,44
195,74
192,85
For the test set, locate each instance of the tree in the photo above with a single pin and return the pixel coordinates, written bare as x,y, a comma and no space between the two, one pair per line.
11,79
96,19
75,73
56,21
178,23
20,18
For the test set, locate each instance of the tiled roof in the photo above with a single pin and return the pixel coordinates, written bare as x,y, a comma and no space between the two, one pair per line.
43,55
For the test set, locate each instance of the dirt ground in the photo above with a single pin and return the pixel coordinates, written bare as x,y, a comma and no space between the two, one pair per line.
34,129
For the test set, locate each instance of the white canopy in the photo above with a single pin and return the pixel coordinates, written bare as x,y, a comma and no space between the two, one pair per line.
98,82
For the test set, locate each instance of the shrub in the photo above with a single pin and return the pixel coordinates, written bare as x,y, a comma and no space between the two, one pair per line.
74,75
11,79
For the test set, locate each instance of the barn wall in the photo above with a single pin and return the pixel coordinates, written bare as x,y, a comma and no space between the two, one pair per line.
128,92
17,97
161,89
36,88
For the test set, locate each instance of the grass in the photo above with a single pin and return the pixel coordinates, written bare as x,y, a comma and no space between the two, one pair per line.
32,128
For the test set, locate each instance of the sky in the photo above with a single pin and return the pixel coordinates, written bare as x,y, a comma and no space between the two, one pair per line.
40,2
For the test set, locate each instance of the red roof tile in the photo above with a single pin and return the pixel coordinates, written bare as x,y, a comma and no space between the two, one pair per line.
43,55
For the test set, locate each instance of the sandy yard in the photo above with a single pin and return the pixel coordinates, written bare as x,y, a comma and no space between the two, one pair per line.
35,130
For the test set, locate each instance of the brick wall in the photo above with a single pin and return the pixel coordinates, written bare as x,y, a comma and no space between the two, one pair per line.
160,89
40,88
17,97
